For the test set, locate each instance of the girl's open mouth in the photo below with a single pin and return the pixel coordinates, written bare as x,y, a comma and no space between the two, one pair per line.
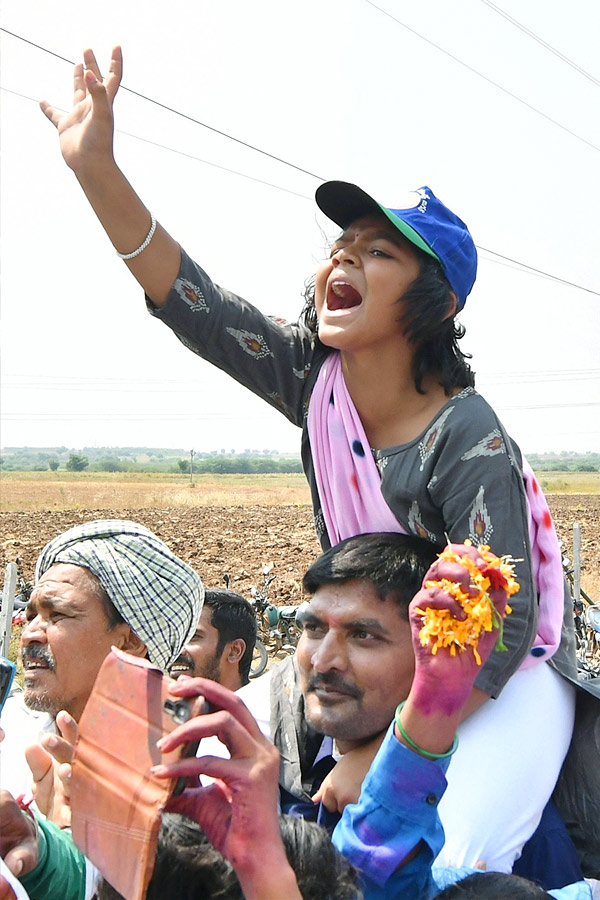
341,295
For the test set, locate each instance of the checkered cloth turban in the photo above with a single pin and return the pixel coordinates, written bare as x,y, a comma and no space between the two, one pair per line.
159,596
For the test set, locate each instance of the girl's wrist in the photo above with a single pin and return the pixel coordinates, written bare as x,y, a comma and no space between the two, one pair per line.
438,699
433,737
96,168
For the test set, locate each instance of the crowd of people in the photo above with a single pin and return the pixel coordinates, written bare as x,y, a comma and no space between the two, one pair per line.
372,763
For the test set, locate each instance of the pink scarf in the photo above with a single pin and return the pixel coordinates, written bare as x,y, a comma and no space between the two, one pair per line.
348,480
349,486
547,570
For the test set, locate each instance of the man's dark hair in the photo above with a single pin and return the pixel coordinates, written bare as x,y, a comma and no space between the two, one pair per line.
425,311
189,868
395,564
493,886
233,617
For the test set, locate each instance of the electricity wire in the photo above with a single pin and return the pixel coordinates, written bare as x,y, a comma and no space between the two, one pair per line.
542,42
206,162
507,259
48,382
176,111
155,414
489,80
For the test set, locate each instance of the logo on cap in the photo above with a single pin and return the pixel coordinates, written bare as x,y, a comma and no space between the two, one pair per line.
415,199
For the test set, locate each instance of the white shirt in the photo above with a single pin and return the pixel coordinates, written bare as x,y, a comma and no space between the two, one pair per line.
23,727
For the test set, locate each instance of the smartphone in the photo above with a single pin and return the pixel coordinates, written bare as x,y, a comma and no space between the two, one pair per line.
180,711
7,673
116,801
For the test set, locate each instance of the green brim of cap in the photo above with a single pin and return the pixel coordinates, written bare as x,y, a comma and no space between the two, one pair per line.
344,202
413,236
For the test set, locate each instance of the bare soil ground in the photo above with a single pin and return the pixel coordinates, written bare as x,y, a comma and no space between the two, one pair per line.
239,540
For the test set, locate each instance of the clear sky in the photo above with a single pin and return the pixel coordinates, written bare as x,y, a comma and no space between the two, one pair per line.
342,90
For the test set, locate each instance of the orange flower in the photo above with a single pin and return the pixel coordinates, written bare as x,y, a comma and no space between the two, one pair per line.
441,629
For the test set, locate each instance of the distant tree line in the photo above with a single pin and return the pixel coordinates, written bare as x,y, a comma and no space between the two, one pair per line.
165,460
146,460
564,462
235,465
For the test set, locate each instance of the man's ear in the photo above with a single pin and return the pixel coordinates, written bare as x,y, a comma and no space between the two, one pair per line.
237,648
127,640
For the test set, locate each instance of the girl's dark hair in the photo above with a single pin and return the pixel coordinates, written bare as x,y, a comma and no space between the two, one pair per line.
435,335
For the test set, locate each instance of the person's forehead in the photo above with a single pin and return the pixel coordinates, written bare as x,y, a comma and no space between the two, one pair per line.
205,626
347,601
374,226
66,584
66,575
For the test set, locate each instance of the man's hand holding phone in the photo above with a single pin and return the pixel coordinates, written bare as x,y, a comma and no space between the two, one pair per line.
239,811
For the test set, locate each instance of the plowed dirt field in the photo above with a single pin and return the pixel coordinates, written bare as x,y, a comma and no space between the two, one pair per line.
239,540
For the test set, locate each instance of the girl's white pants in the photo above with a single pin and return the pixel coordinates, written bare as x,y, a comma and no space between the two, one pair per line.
509,756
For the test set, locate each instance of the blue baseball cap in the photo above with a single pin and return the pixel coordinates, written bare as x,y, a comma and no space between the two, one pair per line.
422,219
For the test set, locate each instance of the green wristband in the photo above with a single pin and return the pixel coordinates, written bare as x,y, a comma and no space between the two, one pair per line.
416,747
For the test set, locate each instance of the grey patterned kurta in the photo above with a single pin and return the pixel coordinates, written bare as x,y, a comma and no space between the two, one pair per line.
460,478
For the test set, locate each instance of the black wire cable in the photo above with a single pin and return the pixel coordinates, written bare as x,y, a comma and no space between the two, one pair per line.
176,112
520,266
485,77
545,44
73,415
206,162
540,272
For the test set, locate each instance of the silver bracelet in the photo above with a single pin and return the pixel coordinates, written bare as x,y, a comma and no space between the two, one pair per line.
142,246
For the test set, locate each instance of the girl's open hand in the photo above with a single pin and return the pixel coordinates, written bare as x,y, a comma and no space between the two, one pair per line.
86,132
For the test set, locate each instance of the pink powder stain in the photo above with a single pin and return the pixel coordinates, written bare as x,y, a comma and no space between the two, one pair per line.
368,835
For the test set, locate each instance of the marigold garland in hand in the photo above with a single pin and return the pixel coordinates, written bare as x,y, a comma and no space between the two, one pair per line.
441,629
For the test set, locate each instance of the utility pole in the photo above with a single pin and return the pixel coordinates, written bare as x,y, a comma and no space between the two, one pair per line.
192,454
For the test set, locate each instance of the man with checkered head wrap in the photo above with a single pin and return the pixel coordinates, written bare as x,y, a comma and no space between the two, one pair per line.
99,584
155,592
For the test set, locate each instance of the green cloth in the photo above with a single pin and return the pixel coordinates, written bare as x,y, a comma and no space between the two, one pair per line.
60,872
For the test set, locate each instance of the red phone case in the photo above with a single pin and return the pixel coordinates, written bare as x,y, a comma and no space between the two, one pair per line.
115,801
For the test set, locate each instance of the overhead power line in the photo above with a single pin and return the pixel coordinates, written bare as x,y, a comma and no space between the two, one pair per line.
135,415
485,77
550,406
91,384
509,261
205,162
170,416
540,271
177,112
545,44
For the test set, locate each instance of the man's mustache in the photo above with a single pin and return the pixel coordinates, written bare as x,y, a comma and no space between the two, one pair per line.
184,659
335,682
39,652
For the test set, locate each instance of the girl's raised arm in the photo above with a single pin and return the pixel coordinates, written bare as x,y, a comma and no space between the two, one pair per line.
86,142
